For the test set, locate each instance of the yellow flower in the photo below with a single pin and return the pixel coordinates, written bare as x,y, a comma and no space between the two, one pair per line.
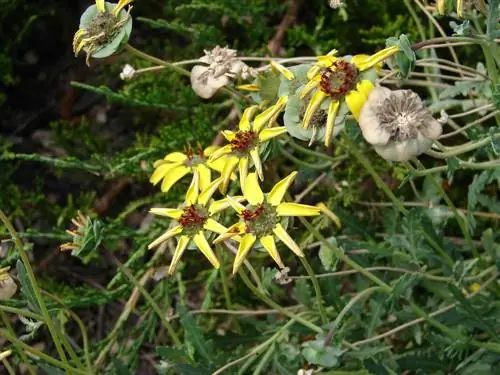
193,220
102,32
339,80
177,164
261,219
244,144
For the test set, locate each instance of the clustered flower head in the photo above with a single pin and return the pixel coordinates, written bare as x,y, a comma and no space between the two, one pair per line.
104,28
398,124
222,65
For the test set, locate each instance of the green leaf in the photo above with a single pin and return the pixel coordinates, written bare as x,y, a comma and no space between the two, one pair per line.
26,287
194,335
478,184
326,255
171,354
302,292
489,244
51,370
315,353
492,21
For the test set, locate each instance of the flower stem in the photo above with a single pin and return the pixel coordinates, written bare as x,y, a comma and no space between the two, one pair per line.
34,285
276,306
223,277
317,289
156,60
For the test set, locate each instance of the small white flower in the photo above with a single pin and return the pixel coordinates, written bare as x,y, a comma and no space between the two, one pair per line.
222,66
127,73
398,124
335,3
305,372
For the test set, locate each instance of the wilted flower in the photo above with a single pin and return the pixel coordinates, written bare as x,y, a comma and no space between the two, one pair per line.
8,286
337,81
86,237
177,164
261,219
398,124
222,66
244,144
128,72
104,27
193,220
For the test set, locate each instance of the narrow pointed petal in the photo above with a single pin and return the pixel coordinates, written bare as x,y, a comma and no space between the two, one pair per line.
279,190
173,213
243,167
355,99
222,204
328,58
269,133
281,233
179,250
251,87
206,194
101,7
251,190
326,211
204,176
121,4
268,243
220,152
237,206
264,118
176,157
245,245
214,226
376,58
202,243
296,209
229,167
330,121
233,232
166,236
174,175
316,100
161,171
228,134
280,68
246,117
193,190
312,84
256,162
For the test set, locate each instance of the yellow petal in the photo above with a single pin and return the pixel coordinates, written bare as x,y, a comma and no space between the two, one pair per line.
214,226
440,6
206,194
174,213
355,101
160,172
222,204
268,243
252,191
280,68
179,250
326,211
316,100
323,62
176,157
365,87
269,133
193,190
220,152
101,7
245,245
174,175
121,4
312,84
250,87
202,243
235,204
375,59
229,167
460,9
278,191
210,150
243,167
254,153
166,236
245,118
296,209
204,175
228,134
281,233
263,118
330,121
233,232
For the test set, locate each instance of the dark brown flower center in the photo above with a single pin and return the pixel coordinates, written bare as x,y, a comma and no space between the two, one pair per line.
338,79
243,141
194,157
260,220
192,219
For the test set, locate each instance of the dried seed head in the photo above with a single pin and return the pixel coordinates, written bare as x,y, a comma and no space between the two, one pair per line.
398,124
